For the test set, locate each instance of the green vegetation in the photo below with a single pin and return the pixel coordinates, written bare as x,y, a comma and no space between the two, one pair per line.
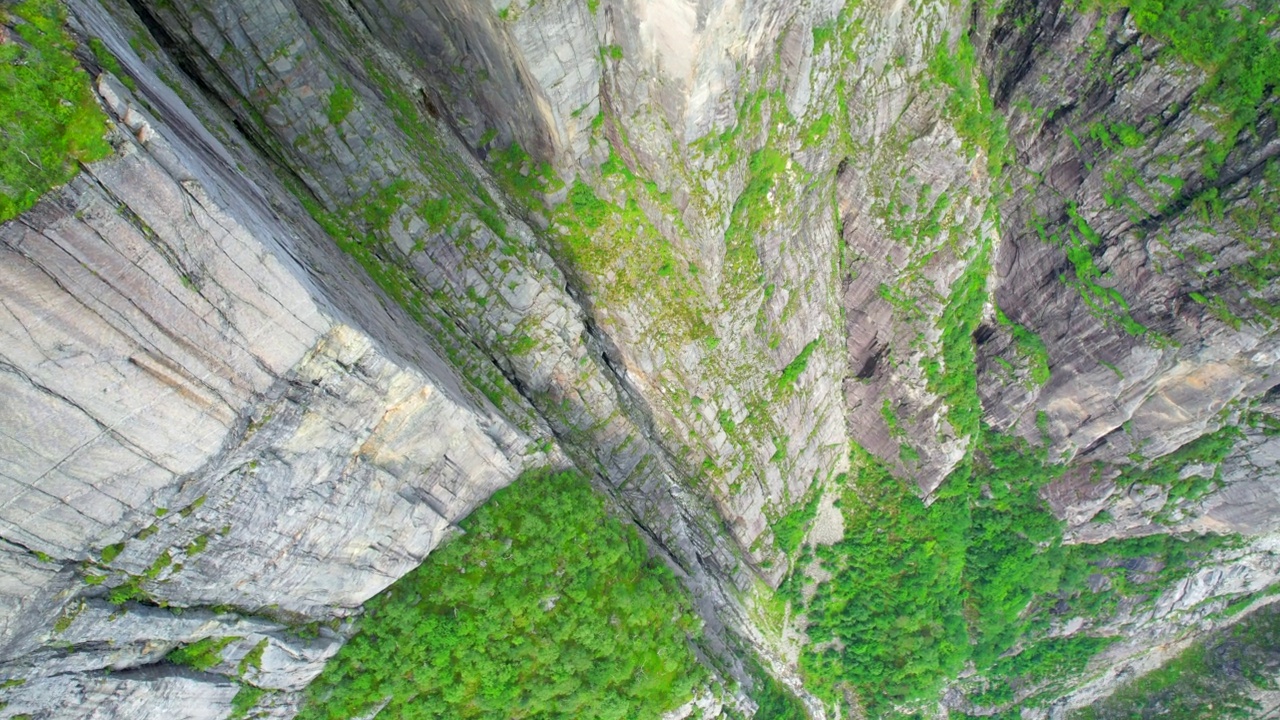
1253,219
130,589
621,254
752,212
797,366
1253,222
197,545
111,552
1166,471
364,246
447,201
1030,347
1233,43
891,420
68,616
917,591
244,701
589,209
894,603
341,102
253,658
822,36
790,529
774,701
955,378
547,607
1211,680
1080,241
201,655
1117,136
49,119
526,179
969,106
161,562
110,63
817,131
1012,552
195,505
1105,302
1060,658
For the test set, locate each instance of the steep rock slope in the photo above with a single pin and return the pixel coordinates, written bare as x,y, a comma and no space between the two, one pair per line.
694,249
193,421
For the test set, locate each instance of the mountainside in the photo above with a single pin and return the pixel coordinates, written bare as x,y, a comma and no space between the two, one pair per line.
932,347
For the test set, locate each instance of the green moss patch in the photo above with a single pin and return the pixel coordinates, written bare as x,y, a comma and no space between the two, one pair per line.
49,119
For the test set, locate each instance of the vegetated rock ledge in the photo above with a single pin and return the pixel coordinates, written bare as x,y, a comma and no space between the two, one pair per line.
318,306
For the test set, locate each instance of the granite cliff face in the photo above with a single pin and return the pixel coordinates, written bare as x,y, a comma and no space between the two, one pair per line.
353,266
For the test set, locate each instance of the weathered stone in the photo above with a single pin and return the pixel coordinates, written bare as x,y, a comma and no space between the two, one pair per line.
191,368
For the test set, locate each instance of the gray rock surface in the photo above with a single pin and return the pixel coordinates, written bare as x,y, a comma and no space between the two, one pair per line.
153,693
1113,392
180,387
270,352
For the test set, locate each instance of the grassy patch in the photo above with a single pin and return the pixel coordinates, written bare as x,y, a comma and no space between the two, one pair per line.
197,545
49,119
1166,471
110,63
823,35
621,255
752,212
111,552
253,658
68,616
1031,348
524,178
1079,242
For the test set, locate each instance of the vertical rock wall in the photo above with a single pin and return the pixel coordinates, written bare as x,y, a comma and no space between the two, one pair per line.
192,419
316,308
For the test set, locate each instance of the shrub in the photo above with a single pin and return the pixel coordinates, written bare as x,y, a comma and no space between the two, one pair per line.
244,701
789,530
201,655
797,366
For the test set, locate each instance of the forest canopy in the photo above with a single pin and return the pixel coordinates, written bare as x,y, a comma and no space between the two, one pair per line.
546,607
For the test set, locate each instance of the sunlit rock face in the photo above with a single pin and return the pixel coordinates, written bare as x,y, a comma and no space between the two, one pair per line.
314,309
